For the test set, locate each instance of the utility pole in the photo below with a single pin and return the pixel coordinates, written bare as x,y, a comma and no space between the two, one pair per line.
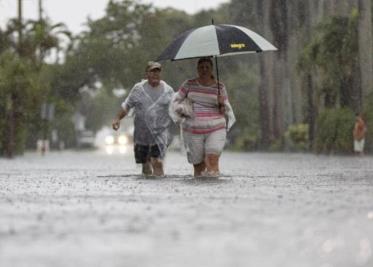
20,35
40,10
46,108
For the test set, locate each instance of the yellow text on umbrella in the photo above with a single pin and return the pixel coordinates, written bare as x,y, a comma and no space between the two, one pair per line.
238,46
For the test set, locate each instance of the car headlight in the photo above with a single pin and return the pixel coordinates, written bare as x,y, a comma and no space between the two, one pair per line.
123,140
109,140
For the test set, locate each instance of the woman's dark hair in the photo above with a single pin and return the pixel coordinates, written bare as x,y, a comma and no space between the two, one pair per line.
209,60
205,59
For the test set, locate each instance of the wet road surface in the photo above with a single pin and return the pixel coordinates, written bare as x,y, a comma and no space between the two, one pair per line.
267,210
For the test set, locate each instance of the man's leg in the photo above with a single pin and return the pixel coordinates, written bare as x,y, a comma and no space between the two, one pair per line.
157,165
141,156
156,154
147,168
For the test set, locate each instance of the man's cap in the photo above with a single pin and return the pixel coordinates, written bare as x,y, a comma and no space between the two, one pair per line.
153,65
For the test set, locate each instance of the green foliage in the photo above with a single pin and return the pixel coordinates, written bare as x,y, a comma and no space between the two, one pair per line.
243,139
63,123
99,109
332,55
25,80
244,100
334,131
42,37
19,96
368,117
243,12
296,137
114,50
5,41
277,145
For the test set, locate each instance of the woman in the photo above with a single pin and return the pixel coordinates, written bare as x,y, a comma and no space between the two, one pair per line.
205,130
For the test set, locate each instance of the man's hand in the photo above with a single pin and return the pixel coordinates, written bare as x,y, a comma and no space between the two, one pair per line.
116,124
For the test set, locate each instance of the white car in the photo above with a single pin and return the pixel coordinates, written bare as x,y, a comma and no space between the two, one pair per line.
85,139
120,139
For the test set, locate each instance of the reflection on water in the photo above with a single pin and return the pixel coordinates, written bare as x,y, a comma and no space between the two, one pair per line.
122,149
365,252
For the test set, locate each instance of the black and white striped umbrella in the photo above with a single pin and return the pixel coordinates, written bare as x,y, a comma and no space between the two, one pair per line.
215,40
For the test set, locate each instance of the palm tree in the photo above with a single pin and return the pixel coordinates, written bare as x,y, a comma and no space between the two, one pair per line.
41,37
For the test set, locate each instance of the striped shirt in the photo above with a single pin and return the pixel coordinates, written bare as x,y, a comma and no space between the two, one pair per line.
207,117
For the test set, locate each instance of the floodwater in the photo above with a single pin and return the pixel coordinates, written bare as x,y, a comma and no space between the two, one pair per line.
267,210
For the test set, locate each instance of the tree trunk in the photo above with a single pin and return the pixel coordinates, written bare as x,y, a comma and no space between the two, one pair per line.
365,47
311,110
263,88
10,127
264,111
281,88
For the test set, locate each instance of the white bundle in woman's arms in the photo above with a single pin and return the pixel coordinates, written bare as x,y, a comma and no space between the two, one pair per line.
180,109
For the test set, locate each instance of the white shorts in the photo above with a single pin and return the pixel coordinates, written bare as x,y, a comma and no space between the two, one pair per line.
359,145
199,145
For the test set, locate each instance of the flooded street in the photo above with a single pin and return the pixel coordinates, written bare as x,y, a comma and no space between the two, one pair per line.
90,209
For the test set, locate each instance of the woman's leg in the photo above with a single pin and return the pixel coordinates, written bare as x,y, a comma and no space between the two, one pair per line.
199,168
212,163
194,146
214,146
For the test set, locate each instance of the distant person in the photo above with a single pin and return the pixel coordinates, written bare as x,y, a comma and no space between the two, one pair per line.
204,131
150,100
359,132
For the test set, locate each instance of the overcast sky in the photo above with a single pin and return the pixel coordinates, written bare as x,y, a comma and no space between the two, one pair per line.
75,12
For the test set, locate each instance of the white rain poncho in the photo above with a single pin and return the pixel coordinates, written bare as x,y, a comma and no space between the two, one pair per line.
152,121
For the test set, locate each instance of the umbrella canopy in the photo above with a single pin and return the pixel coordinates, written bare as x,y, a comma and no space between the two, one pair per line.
215,40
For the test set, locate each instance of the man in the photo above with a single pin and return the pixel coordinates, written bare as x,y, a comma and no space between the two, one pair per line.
359,132
150,100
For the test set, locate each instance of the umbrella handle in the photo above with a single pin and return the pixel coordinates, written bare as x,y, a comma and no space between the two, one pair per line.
220,106
217,74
